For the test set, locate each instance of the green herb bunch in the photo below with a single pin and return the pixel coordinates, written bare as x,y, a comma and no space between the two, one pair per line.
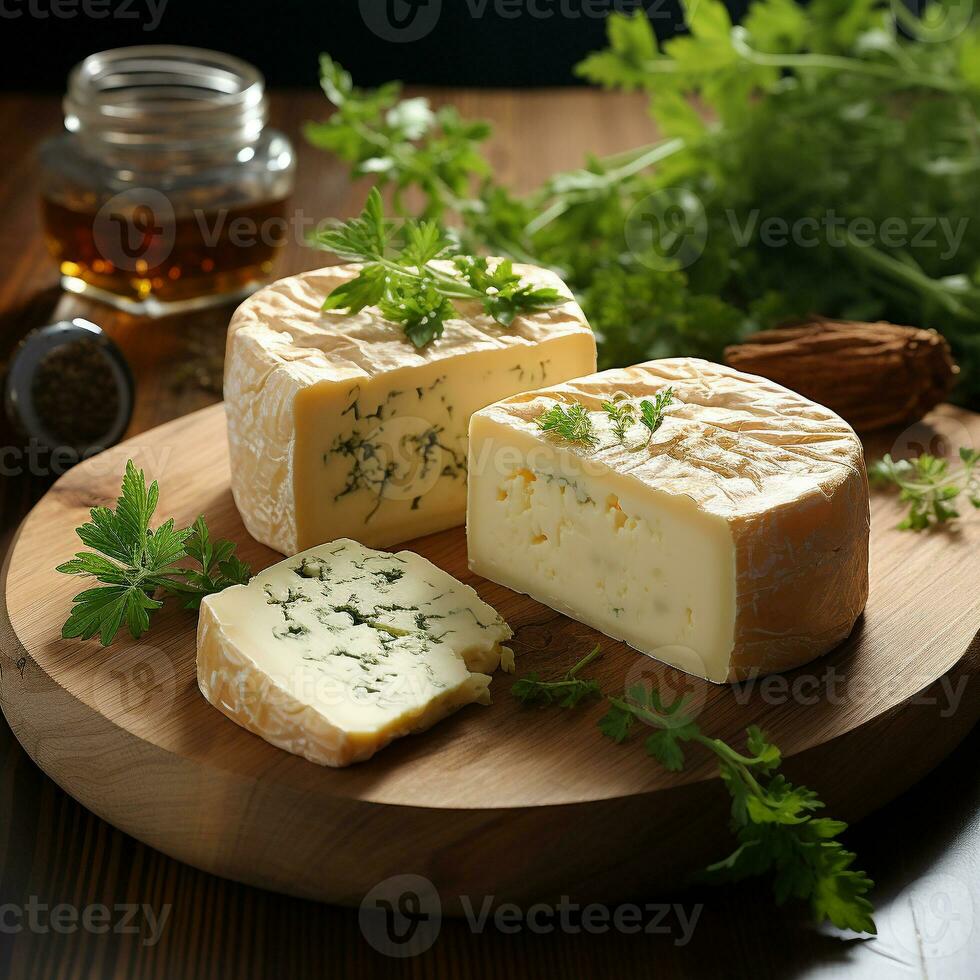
572,422
775,824
137,566
399,278
842,121
929,485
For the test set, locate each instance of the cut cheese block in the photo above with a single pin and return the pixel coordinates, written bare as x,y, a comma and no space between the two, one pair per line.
337,651
339,427
732,542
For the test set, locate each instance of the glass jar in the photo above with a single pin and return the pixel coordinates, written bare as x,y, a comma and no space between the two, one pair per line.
167,191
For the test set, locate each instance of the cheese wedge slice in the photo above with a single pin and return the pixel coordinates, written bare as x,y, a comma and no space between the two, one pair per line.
337,651
338,426
730,542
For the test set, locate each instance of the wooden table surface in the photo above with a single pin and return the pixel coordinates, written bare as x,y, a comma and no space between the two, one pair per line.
923,849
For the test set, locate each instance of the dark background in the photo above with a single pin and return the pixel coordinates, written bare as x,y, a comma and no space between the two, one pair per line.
471,42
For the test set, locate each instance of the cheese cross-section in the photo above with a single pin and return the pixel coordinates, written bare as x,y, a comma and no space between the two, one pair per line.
338,426
732,541
337,651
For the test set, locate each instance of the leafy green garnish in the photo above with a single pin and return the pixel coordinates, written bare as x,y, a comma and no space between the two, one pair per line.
773,820
827,137
220,566
928,484
621,414
570,422
500,289
399,278
652,413
566,692
400,143
137,565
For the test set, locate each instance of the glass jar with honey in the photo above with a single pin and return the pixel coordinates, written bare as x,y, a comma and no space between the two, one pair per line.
167,191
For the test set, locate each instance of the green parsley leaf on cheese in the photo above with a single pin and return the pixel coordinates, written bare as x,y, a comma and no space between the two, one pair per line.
399,277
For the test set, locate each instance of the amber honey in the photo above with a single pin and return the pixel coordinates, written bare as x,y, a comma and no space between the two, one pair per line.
167,189
141,252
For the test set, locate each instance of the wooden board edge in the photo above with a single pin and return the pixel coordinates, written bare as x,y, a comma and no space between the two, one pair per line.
516,846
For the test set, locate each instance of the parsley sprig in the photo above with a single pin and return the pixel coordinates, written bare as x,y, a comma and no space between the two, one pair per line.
774,821
570,422
928,484
566,692
652,413
622,416
399,278
137,566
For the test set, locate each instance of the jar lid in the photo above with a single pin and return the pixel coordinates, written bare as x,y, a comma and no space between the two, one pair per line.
69,387
150,96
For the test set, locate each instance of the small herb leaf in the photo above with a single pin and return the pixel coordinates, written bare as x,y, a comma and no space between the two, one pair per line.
652,413
570,422
622,416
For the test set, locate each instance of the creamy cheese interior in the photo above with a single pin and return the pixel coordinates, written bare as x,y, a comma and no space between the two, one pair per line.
337,651
385,459
729,541
646,568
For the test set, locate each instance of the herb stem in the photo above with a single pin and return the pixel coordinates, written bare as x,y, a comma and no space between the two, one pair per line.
647,157
448,285
911,275
725,751
585,661
829,62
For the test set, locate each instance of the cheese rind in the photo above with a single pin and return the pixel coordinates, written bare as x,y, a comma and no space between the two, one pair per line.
338,425
731,543
333,653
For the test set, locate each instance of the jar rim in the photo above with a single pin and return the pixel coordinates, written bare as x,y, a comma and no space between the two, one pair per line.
165,95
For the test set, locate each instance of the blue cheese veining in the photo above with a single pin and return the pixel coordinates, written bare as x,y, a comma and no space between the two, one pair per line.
333,653
338,426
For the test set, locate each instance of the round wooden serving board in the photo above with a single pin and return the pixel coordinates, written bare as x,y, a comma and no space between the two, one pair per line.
521,803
